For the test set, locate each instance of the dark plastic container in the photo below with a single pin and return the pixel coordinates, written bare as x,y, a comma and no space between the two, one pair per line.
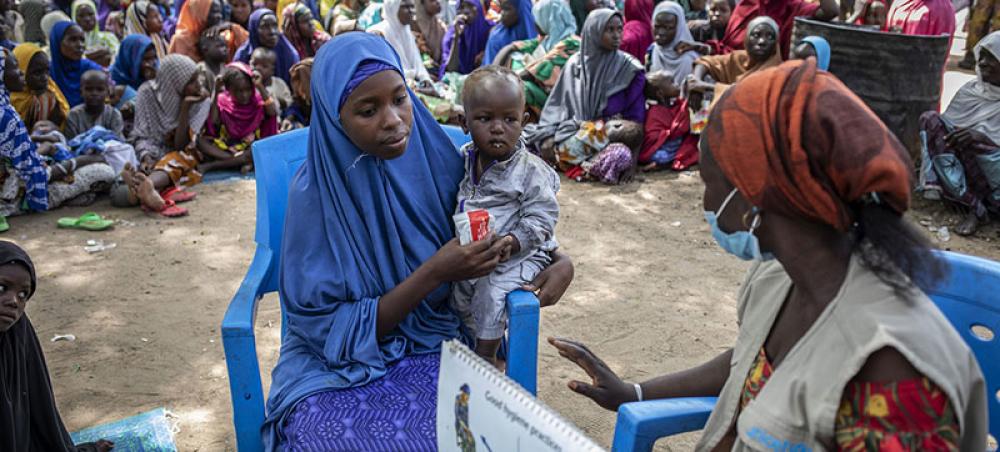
898,76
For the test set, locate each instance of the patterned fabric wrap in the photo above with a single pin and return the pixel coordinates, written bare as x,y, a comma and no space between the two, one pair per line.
909,415
17,147
396,412
611,163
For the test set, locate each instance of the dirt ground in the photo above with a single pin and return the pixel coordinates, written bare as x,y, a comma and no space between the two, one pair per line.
652,294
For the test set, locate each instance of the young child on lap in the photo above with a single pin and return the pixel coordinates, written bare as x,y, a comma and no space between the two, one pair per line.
242,113
516,187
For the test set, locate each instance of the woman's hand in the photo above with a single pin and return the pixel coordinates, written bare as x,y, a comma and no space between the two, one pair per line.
966,137
460,21
606,388
454,262
550,285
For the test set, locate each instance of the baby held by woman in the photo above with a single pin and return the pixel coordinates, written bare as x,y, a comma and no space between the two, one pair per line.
519,191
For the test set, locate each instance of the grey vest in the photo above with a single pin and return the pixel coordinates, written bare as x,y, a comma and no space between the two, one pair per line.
795,410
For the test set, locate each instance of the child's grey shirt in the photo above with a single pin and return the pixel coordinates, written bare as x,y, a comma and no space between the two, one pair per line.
520,192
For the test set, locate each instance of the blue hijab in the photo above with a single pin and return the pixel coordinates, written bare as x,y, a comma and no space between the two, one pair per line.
127,69
822,51
67,73
357,226
287,55
501,35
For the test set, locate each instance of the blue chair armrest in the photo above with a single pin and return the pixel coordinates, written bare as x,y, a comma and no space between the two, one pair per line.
522,361
640,424
241,354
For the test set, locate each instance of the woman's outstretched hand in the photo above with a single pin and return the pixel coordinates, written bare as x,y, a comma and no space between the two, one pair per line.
606,388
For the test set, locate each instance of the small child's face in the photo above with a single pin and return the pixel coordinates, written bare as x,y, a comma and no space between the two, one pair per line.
154,22
719,13
876,14
37,77
494,116
264,65
15,284
664,29
217,51
94,91
241,88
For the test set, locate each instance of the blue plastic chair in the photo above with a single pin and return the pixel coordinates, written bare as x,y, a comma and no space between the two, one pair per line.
276,160
968,297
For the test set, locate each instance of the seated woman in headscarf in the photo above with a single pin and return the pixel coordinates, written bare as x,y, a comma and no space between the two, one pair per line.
29,416
301,30
170,112
714,74
101,46
517,22
669,51
428,29
395,28
961,159
598,83
540,60
200,17
783,12
39,99
143,17
838,347
297,115
27,181
637,35
377,329
68,64
465,42
135,64
264,33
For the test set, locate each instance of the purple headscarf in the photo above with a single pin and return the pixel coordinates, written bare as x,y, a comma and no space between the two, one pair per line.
287,55
470,44
366,69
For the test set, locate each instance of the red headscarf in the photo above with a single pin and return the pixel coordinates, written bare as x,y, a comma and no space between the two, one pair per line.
783,12
795,140
637,34
241,121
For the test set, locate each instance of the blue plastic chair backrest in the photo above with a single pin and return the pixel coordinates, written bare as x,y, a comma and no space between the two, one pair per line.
458,138
970,298
276,159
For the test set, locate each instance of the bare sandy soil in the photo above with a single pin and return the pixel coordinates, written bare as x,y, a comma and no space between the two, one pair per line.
653,294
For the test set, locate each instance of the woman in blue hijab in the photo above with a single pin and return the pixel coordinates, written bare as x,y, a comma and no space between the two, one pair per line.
136,61
517,22
263,28
66,45
366,273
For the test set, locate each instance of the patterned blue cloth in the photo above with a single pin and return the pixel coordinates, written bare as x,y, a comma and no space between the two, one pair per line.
396,412
16,146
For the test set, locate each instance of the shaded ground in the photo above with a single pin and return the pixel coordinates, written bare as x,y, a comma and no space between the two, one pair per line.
653,294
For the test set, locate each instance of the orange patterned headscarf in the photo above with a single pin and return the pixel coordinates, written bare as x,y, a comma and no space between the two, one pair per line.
795,140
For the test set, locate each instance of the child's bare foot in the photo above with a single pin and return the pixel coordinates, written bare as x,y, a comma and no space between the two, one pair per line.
146,192
128,177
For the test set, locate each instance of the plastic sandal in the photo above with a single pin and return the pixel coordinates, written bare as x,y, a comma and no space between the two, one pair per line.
89,221
170,209
4,226
177,195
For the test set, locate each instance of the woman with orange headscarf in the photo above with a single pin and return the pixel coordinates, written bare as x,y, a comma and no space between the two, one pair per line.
200,17
838,349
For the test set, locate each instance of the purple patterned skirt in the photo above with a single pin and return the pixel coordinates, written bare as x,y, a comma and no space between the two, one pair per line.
396,412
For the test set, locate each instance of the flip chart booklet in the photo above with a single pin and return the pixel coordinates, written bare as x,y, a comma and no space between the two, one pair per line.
481,409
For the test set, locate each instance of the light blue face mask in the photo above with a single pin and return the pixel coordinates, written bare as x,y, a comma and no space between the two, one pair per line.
742,244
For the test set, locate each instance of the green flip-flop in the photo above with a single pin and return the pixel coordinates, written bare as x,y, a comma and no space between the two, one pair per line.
4,226
89,221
